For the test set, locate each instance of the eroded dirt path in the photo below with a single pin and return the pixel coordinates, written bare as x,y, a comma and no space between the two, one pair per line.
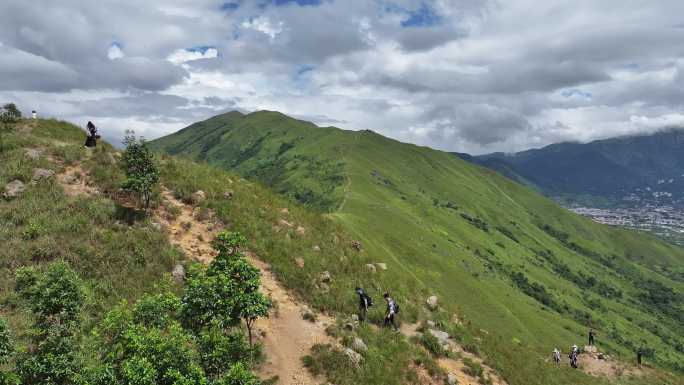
456,367
285,335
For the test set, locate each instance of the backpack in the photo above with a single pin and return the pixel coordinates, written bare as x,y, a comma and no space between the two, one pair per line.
369,300
396,307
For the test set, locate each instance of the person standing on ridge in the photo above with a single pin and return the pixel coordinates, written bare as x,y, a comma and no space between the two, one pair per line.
365,302
392,309
592,334
91,140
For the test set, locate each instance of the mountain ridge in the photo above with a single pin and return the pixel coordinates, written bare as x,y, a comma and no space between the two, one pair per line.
445,226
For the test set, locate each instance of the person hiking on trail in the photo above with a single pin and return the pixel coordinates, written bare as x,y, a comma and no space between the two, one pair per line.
365,302
573,356
391,311
91,140
556,356
592,334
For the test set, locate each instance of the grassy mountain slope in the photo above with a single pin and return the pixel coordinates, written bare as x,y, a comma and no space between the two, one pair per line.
513,263
607,170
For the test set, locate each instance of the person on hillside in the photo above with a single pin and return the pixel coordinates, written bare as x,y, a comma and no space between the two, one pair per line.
365,302
91,140
639,354
34,114
573,356
556,356
391,311
592,334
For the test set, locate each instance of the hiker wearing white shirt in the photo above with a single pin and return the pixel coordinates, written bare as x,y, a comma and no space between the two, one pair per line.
392,310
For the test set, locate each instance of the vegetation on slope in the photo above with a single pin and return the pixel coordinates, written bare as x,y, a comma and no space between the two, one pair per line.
529,273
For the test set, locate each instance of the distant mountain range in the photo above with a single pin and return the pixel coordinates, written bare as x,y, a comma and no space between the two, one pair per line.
624,171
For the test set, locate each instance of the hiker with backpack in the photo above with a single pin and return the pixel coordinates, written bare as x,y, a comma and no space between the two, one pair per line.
392,310
592,334
556,356
365,301
573,356
91,140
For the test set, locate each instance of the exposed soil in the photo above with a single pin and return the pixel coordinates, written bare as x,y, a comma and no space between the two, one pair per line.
285,335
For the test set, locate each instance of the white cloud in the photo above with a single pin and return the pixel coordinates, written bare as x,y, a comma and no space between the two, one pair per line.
114,52
180,56
264,25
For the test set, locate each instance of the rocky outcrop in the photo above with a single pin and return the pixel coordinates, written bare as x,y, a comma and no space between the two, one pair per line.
13,189
432,302
41,174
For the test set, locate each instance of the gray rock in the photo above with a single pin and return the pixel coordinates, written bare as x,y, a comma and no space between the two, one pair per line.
452,379
354,357
442,337
355,318
325,277
370,267
13,189
316,248
41,173
381,266
198,196
178,273
359,345
432,302
33,153
431,323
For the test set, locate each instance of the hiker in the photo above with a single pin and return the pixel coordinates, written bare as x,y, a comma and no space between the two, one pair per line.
556,356
573,356
592,334
34,114
365,302
91,140
392,309
639,354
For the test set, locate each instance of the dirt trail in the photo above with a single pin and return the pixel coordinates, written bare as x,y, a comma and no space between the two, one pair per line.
285,335
456,367
75,181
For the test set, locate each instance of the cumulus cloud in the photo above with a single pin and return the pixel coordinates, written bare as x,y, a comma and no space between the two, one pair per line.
472,75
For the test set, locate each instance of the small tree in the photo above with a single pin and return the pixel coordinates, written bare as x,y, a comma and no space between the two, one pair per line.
9,115
141,172
55,296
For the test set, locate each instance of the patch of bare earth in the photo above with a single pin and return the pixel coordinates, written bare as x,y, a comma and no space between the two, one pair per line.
596,364
75,181
454,366
285,335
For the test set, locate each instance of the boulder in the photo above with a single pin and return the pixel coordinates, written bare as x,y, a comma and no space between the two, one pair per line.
33,153
178,273
356,245
325,277
452,379
299,262
41,173
442,337
370,267
13,189
198,196
228,195
590,349
359,345
381,266
432,302
354,357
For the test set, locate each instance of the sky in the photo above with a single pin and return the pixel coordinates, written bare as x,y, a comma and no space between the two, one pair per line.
467,75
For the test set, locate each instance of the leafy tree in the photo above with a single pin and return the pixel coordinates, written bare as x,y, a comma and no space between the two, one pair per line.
6,346
228,291
9,115
55,296
156,310
238,374
136,353
216,349
141,172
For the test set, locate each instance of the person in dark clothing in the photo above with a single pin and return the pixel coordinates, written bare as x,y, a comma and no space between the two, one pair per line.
573,356
91,140
364,303
639,354
592,334
391,311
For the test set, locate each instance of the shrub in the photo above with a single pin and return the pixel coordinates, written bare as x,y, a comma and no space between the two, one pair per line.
141,172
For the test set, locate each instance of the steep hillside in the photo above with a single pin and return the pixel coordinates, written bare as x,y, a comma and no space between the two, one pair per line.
525,271
636,169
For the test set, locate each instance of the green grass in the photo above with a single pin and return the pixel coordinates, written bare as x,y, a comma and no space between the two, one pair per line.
459,231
